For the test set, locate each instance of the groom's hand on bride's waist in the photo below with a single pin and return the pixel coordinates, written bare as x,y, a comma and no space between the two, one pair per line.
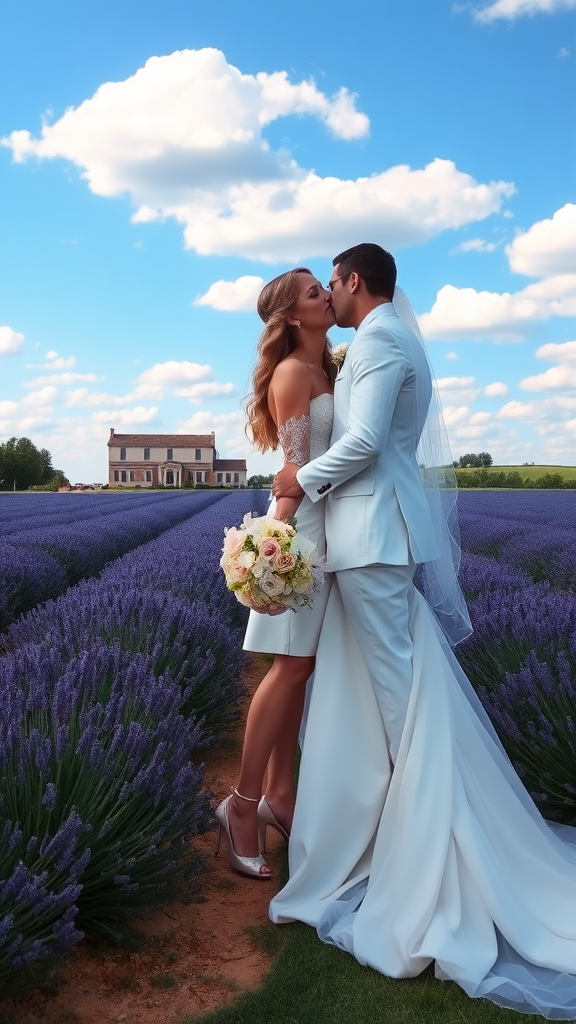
285,484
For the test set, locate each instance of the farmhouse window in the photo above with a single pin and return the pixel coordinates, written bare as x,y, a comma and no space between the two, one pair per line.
236,478
146,455
122,455
218,478
198,455
116,476
169,454
148,476
199,478
169,478
123,476
228,478
190,476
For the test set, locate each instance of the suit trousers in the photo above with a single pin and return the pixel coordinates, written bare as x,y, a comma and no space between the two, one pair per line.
377,601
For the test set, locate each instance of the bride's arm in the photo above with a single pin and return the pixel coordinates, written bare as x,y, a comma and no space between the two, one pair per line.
290,400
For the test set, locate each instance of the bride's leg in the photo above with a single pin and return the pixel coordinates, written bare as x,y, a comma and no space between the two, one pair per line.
280,787
271,721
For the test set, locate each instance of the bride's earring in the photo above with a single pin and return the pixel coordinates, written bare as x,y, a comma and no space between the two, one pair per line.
294,323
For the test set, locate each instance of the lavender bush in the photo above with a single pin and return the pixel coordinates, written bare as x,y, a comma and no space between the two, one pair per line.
522,655
191,640
95,753
37,901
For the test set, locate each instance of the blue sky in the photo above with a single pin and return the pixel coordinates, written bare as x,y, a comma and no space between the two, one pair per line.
159,161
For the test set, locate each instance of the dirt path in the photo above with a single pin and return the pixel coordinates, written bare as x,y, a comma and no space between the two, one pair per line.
195,958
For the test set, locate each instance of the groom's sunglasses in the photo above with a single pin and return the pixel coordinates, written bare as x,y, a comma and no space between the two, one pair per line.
331,283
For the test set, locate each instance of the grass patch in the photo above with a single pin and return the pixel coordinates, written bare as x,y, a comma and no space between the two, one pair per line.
314,982
217,979
163,981
267,937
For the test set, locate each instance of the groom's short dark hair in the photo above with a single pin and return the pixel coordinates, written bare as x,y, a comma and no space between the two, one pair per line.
373,264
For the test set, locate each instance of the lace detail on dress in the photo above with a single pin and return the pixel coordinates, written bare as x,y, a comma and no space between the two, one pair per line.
294,437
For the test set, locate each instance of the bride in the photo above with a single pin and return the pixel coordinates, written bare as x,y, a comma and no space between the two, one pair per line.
291,405
413,839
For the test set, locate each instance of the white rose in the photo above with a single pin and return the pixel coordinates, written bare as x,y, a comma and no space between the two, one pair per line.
271,584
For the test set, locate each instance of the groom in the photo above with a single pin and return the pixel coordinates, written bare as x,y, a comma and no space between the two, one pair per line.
378,522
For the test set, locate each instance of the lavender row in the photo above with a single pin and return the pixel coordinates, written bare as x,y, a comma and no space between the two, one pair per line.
38,511
108,694
534,532
40,564
521,656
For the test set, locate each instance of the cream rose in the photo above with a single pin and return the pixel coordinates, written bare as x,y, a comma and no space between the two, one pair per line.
271,585
283,562
233,541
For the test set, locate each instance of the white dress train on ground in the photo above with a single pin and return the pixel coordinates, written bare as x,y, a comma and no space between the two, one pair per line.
442,858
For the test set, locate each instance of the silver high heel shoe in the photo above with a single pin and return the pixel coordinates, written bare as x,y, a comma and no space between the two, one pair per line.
251,866
266,817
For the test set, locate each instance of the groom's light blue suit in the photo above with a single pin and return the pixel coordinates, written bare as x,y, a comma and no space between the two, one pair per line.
378,522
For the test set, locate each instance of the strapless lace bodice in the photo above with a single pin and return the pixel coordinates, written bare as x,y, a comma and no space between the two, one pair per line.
321,415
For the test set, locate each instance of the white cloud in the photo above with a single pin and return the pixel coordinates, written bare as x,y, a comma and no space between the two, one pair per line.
466,313
518,411
457,389
60,378
10,341
563,52
59,362
558,377
511,9
180,121
451,355
548,247
34,411
198,392
173,373
450,383
476,245
125,417
231,296
314,216
496,390
83,398
183,138
53,362
565,351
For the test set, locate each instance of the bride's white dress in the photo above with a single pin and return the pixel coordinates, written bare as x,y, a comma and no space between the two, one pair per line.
443,857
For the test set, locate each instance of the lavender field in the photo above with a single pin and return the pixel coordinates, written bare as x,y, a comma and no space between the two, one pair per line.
111,690
121,662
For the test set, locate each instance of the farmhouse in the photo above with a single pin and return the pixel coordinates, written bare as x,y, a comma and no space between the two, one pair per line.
172,460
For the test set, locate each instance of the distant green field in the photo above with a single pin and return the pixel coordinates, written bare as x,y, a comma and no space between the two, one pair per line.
534,472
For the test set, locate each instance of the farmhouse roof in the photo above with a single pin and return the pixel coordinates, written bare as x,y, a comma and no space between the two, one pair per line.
228,464
161,440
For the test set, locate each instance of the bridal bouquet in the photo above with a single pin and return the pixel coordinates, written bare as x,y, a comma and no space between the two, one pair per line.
266,562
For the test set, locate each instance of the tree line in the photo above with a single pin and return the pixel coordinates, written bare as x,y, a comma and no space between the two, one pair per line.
23,465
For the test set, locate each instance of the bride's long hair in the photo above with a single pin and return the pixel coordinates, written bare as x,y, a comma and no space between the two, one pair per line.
275,303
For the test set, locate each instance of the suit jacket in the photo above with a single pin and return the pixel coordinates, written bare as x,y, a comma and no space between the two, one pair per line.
376,509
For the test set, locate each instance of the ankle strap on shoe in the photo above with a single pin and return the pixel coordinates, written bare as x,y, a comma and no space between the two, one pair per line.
251,799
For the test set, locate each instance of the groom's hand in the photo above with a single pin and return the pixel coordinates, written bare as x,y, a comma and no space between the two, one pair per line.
285,484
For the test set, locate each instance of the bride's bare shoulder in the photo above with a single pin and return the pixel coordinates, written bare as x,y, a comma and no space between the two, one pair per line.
291,373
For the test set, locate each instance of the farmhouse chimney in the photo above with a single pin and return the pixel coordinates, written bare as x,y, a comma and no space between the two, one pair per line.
111,433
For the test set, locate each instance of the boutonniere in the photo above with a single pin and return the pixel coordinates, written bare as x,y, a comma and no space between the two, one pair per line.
338,355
